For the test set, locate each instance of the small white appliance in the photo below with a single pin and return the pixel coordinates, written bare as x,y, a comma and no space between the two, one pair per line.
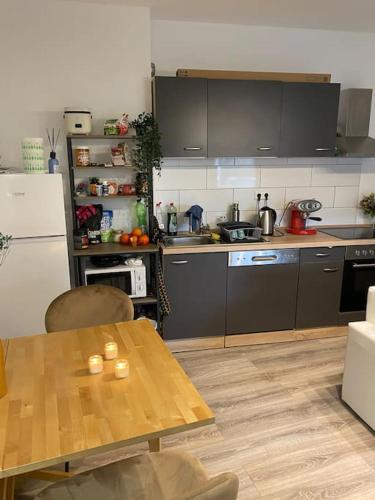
78,120
129,278
36,269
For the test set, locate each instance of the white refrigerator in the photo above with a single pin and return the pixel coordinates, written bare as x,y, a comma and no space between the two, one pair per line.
36,269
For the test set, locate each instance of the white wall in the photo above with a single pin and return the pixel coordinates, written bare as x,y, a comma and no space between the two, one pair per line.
339,184
56,53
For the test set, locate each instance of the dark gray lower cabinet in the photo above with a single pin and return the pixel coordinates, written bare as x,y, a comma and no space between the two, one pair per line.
261,298
319,291
196,286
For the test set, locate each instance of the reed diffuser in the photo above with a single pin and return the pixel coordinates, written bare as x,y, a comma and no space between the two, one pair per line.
53,162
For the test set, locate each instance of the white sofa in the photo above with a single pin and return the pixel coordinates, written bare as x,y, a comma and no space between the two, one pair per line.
358,387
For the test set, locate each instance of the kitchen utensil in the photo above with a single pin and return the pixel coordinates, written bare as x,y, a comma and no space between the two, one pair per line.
235,212
267,221
259,196
78,120
300,211
267,218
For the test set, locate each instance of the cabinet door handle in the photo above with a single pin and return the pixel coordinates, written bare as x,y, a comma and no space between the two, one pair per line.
265,259
192,149
264,148
362,266
180,262
322,254
331,269
323,149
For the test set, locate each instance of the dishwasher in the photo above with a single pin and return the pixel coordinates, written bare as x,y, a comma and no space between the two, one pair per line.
262,290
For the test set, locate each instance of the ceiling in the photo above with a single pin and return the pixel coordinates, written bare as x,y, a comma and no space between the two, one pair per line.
343,15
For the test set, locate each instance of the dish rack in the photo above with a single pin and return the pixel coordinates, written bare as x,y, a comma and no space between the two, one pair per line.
232,232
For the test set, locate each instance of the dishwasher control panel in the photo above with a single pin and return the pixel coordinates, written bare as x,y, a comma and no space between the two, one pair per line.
263,257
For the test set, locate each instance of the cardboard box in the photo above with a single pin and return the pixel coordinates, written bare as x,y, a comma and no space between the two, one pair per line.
253,75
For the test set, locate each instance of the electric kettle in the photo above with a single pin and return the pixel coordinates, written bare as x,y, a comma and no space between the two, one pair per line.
267,219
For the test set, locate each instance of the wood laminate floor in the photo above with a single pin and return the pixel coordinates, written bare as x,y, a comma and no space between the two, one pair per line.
280,424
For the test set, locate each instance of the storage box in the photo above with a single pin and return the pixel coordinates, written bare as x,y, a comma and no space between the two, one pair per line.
253,75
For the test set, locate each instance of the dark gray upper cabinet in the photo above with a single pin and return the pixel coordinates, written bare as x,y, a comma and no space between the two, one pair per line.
196,286
309,119
180,107
243,118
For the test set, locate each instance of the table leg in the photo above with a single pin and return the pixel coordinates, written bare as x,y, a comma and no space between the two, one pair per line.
154,444
7,488
11,483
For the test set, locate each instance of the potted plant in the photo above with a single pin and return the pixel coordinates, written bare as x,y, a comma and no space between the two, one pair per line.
5,241
147,154
368,206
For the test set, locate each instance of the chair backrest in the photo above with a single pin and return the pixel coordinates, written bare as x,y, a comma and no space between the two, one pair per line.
87,306
222,487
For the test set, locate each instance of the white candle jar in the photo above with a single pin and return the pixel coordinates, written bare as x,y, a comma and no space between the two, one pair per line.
122,368
110,350
95,364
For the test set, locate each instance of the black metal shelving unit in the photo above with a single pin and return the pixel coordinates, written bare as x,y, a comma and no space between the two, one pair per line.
149,252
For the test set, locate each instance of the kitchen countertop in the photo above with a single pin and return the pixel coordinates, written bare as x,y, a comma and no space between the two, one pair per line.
272,243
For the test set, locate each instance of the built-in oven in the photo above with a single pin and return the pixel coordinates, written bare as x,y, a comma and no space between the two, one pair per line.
359,275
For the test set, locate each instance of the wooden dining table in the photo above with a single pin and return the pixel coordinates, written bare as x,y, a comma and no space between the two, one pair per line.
55,411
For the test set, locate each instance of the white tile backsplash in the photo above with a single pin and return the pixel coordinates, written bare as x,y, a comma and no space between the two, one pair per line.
215,183
336,175
346,196
235,177
336,216
211,200
167,197
247,197
181,178
325,195
296,175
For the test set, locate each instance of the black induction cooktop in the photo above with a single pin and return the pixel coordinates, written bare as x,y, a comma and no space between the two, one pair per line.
350,233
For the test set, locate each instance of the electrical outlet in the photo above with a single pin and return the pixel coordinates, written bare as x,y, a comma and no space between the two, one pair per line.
222,218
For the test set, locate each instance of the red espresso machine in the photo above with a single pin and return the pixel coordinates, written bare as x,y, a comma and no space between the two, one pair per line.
300,211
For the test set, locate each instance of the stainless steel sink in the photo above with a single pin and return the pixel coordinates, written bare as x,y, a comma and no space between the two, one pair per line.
185,241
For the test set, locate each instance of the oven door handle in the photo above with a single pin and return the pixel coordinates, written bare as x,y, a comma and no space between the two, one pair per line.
362,266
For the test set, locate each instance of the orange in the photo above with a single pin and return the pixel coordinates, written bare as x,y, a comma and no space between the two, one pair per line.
137,231
143,240
125,238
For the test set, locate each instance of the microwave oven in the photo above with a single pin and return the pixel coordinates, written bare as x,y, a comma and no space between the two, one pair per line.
130,279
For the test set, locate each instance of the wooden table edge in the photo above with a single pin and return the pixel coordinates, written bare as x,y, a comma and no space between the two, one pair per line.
7,473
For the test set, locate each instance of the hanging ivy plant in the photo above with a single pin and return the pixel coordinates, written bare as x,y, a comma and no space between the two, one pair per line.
147,155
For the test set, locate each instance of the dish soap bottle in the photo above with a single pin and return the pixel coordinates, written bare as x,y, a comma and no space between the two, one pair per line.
141,213
172,220
159,215
53,163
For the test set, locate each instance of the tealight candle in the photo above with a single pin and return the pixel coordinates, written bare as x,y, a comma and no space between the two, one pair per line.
122,368
95,364
110,350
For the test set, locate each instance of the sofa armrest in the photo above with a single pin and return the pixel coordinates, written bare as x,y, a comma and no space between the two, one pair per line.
370,308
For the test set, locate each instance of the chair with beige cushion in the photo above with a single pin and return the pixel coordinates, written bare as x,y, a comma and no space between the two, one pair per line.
167,475
87,306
